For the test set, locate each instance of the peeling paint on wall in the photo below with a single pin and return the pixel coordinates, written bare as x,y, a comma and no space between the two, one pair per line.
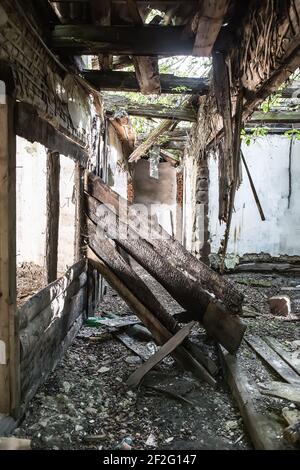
268,161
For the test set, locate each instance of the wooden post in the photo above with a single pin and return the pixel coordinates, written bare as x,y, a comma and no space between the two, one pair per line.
52,227
79,213
9,334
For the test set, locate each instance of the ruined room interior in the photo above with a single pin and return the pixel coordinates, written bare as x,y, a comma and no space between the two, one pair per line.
149,224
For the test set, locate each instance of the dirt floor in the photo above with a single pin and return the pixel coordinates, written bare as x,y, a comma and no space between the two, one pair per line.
30,279
85,405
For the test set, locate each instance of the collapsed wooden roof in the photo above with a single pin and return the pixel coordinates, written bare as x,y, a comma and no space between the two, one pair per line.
134,32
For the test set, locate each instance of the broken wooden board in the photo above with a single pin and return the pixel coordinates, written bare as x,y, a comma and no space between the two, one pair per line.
139,304
290,392
289,357
14,443
272,359
264,431
166,349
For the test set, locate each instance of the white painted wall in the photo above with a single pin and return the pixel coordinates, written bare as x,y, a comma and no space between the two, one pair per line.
268,161
117,176
31,206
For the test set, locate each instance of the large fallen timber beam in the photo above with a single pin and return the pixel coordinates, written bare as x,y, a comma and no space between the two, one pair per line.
169,247
127,81
131,288
219,323
149,40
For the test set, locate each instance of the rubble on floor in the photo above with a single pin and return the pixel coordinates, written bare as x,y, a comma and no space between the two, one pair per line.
85,403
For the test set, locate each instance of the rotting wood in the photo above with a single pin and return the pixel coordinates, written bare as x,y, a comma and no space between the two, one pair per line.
112,103
153,137
265,432
52,216
127,81
208,22
290,392
135,379
168,247
79,212
31,336
273,359
32,127
151,321
220,324
9,327
290,358
146,68
121,40
52,345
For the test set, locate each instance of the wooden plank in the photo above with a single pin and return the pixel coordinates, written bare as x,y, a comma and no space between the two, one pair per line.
114,102
290,392
154,135
290,358
211,18
127,81
32,127
43,298
79,212
292,117
134,380
265,432
52,215
273,359
121,40
136,303
9,341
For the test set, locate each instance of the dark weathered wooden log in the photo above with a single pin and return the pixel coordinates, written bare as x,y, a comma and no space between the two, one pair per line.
121,40
226,328
135,379
127,81
43,298
122,278
168,247
52,217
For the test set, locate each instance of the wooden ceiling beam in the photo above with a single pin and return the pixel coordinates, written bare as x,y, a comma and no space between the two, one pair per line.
207,25
114,102
126,81
122,40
